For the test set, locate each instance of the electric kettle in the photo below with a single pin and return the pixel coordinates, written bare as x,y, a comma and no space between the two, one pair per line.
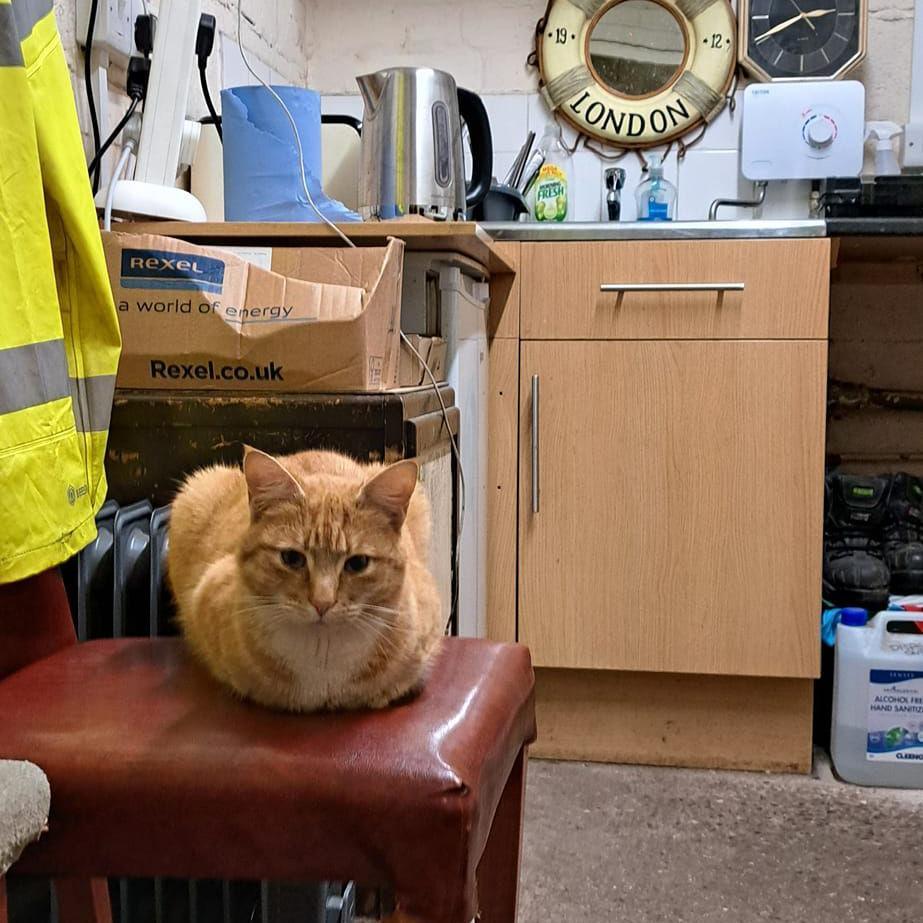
412,156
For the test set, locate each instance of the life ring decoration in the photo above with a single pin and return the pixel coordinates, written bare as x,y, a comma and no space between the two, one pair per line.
692,95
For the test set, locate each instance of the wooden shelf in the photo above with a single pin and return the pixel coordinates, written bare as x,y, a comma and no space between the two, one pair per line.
463,237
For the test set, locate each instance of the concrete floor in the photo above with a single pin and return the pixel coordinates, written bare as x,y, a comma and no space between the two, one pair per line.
606,844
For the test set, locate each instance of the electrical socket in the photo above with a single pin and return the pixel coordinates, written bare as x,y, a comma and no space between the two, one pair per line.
114,29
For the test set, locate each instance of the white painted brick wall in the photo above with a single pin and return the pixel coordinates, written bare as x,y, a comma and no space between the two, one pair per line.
484,43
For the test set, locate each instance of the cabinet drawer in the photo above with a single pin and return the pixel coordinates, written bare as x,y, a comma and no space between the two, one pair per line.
671,505
784,294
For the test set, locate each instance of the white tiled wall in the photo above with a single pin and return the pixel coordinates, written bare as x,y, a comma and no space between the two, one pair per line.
708,171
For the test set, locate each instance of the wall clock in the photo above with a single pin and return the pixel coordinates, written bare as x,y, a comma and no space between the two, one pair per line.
636,73
801,39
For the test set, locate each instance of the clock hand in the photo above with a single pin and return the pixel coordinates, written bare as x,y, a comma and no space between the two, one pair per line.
778,28
813,14
802,16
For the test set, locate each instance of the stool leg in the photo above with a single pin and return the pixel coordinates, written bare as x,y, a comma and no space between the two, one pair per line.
498,871
82,900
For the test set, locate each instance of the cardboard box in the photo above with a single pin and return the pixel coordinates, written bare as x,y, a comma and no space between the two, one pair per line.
306,319
433,351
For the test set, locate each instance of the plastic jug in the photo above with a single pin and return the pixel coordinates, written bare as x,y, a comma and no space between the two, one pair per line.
877,725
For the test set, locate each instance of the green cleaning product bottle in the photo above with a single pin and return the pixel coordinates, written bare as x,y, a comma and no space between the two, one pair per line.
551,189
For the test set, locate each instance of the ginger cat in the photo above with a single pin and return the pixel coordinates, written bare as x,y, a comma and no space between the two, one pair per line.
302,582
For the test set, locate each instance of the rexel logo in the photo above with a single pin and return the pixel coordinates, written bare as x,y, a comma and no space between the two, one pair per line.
159,269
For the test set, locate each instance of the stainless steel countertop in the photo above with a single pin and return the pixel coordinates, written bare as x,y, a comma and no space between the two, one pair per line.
652,230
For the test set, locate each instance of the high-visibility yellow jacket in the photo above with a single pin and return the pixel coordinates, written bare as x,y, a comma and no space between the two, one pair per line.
59,335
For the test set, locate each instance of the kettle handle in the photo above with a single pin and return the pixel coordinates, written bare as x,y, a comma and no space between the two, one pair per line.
471,108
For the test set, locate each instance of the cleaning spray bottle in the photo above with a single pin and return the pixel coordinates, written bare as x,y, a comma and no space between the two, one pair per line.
656,196
550,193
885,159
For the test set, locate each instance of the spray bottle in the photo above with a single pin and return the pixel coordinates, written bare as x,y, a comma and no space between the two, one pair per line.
656,195
885,159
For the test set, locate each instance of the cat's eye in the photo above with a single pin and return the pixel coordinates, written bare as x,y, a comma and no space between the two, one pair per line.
292,557
356,564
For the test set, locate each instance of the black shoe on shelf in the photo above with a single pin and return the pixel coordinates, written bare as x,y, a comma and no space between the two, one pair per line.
855,572
903,534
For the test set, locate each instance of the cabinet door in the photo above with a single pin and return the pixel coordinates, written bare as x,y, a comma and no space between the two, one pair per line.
680,505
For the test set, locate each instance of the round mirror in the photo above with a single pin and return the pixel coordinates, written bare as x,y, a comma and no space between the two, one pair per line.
637,73
637,47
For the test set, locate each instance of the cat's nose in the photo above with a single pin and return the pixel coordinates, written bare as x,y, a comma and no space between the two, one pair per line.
322,608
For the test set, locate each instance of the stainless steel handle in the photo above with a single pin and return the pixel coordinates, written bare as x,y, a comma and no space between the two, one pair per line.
535,443
672,287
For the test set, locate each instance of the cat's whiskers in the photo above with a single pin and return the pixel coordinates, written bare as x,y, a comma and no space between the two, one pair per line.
387,625
371,607
385,640
275,610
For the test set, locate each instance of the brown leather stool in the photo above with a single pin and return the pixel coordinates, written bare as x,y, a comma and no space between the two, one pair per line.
157,771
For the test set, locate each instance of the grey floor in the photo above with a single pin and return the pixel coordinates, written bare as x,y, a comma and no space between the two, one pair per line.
631,844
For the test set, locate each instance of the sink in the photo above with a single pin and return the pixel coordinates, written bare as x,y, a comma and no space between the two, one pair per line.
653,230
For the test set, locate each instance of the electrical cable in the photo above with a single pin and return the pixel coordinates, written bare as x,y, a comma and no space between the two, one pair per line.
208,102
455,451
291,119
95,162
127,151
91,102
204,45
432,378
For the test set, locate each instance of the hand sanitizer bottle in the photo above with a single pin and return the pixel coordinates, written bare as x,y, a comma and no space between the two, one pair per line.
656,196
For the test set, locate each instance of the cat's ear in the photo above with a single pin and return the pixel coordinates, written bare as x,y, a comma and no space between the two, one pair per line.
267,481
390,490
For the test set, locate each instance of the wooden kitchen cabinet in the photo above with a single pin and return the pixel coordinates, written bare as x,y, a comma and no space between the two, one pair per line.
668,583
680,505
784,295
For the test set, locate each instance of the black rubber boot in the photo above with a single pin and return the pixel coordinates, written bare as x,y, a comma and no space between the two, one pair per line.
855,572
903,534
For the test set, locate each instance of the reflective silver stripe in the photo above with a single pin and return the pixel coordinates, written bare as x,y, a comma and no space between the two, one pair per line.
33,374
10,50
28,13
92,399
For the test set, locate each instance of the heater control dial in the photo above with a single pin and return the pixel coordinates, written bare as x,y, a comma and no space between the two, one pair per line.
819,131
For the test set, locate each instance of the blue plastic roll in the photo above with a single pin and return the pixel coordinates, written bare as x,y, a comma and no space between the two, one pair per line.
262,181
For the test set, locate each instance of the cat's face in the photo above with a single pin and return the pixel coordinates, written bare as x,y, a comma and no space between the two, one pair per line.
323,552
